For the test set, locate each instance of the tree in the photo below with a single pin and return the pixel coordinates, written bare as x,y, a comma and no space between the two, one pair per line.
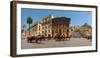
29,21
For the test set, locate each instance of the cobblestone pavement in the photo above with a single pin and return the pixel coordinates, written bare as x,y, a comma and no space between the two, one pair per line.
52,43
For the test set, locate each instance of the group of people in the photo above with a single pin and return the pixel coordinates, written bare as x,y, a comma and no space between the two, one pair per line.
57,37
40,38
60,37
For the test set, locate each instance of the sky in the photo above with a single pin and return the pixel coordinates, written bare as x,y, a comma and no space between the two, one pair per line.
77,17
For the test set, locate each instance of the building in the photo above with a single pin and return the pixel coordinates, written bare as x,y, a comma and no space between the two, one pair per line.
82,30
86,29
50,25
60,25
75,31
